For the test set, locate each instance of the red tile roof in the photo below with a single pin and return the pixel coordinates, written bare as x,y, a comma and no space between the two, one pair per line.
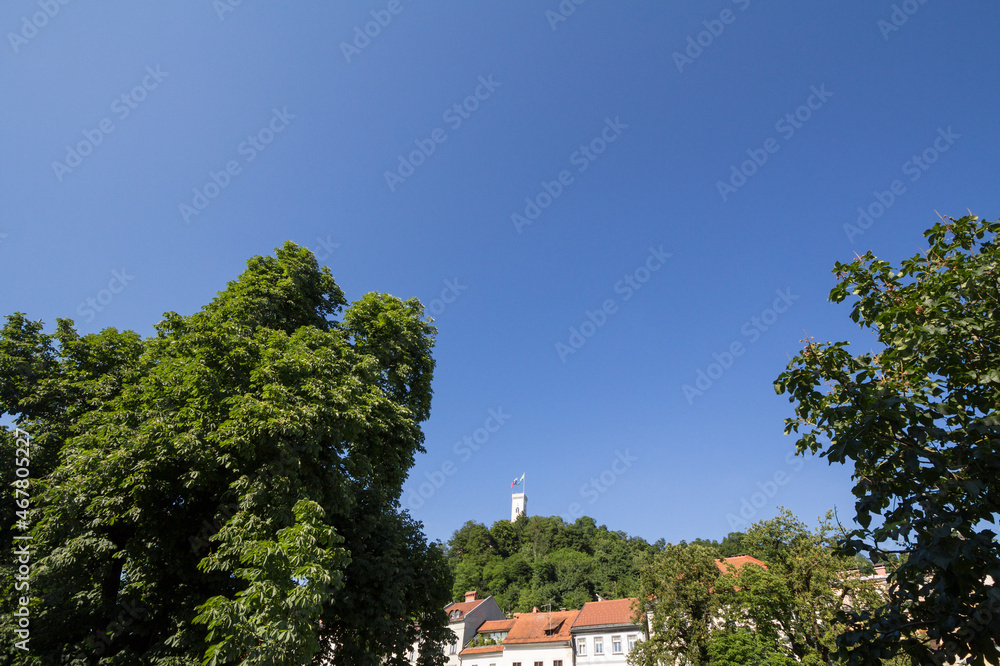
496,625
737,562
482,649
462,606
616,611
541,627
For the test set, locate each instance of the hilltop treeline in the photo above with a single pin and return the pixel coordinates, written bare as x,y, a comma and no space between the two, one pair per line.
541,560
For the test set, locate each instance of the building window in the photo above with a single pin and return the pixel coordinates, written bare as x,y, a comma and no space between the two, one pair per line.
538,663
453,648
557,662
598,645
516,663
581,647
632,638
616,644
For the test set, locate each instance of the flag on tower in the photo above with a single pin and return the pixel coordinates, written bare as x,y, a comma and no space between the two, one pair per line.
517,482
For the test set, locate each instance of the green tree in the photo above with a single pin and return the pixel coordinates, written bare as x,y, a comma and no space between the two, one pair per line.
574,577
228,489
745,648
572,537
539,535
618,558
506,536
471,551
471,542
793,603
614,566
528,599
733,545
678,588
917,417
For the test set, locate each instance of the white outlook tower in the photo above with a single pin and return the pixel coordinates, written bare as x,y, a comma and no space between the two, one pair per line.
518,501
518,506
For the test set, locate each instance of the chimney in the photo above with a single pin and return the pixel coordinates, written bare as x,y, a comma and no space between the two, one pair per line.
470,595
880,569
535,609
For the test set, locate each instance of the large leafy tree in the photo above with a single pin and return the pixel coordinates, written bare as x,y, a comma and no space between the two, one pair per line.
617,561
746,647
917,417
679,588
791,604
227,490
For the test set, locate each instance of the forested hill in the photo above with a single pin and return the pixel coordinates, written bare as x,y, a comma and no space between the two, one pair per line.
543,560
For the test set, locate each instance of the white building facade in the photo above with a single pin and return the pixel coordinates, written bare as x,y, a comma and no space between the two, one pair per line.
604,633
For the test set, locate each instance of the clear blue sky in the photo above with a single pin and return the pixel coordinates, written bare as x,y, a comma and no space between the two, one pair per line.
331,112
